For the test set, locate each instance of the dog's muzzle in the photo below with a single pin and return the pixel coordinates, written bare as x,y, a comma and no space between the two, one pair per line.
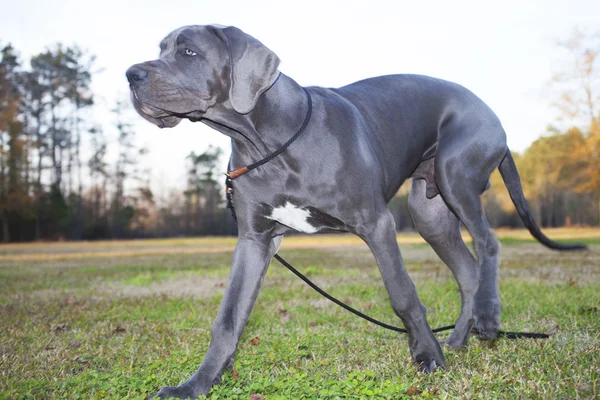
158,117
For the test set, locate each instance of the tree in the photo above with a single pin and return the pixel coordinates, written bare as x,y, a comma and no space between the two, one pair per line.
97,222
11,141
79,71
123,210
202,193
35,106
546,178
579,104
55,90
579,83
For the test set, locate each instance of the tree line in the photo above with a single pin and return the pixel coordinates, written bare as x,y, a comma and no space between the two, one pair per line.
57,178
62,178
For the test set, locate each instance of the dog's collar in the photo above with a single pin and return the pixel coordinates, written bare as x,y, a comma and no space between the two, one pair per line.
236,173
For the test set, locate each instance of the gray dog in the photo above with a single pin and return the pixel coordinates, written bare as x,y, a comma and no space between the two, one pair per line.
361,142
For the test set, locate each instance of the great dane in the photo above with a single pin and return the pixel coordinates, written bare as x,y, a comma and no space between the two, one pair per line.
361,143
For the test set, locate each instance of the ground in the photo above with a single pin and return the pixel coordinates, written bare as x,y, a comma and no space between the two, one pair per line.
121,319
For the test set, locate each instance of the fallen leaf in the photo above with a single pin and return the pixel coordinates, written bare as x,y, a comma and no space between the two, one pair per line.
284,316
119,329
412,391
255,396
255,341
68,300
74,344
572,283
60,327
235,374
79,360
552,330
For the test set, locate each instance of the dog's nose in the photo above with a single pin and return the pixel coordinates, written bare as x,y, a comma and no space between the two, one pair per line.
136,74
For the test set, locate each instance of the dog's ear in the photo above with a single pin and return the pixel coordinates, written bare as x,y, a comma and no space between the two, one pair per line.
253,69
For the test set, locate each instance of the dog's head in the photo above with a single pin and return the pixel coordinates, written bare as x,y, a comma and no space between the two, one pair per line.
199,67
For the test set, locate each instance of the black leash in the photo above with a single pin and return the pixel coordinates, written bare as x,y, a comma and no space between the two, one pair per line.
236,173
346,306
508,335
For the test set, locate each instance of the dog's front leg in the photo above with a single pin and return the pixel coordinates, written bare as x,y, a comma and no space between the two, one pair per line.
250,261
381,239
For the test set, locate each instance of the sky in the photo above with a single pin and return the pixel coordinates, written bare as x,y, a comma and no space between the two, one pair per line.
505,52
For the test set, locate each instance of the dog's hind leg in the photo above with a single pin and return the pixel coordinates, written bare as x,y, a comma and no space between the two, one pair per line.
380,236
466,157
441,229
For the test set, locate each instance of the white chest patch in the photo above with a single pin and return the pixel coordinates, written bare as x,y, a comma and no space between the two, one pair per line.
294,217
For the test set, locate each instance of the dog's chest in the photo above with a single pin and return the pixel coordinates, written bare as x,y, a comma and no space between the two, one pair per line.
293,216
304,219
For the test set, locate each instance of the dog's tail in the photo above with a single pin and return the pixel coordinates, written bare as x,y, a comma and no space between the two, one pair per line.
512,180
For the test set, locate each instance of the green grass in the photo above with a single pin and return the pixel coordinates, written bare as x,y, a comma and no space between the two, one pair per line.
121,319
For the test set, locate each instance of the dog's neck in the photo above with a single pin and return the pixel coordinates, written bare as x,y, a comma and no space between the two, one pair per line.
278,114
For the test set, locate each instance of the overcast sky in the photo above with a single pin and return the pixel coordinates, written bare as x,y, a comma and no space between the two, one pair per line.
505,51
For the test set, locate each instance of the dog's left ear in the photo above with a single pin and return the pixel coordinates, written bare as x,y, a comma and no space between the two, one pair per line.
253,69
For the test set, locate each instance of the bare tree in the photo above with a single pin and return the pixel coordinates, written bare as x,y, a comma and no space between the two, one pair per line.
579,81
10,129
126,169
202,193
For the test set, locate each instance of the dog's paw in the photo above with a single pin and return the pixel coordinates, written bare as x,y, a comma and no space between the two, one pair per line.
486,331
487,319
176,392
427,354
429,365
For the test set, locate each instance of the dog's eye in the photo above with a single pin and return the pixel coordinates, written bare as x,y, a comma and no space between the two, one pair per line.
189,52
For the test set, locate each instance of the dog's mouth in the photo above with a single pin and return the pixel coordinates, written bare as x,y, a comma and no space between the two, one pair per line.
157,116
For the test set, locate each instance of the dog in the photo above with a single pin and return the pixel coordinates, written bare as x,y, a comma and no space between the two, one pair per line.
358,145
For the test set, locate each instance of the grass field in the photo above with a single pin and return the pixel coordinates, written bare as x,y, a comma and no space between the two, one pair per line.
121,319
